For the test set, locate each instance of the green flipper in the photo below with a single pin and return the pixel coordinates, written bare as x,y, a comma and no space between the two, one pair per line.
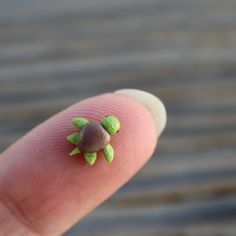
108,152
75,151
90,157
73,137
79,122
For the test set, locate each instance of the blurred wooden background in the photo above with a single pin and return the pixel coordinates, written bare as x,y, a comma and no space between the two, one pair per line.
56,52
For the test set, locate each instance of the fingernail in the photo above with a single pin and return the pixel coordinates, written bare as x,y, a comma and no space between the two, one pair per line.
154,105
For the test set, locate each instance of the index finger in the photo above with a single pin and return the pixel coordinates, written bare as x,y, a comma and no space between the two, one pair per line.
44,191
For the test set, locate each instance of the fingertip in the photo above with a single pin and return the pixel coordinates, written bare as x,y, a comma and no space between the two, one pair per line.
153,104
138,132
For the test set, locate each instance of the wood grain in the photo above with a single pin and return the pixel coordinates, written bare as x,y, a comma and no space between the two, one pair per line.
54,53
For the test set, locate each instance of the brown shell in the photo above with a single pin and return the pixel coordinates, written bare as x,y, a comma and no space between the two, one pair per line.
93,137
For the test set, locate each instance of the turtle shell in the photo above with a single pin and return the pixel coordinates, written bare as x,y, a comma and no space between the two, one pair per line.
93,137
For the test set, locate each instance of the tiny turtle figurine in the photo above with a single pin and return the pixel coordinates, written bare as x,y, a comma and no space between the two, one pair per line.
93,137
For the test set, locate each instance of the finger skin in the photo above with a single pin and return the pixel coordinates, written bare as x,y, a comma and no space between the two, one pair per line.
46,190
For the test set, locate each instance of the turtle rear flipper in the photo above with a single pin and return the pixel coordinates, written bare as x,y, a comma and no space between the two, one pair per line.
90,157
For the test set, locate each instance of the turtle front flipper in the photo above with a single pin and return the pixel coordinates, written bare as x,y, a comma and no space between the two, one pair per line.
108,152
79,122
90,157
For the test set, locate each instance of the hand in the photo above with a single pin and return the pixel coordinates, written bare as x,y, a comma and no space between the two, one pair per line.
43,191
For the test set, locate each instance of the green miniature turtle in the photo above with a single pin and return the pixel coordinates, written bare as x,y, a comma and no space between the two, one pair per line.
93,137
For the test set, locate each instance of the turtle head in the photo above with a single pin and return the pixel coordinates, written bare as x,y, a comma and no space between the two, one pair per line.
111,124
